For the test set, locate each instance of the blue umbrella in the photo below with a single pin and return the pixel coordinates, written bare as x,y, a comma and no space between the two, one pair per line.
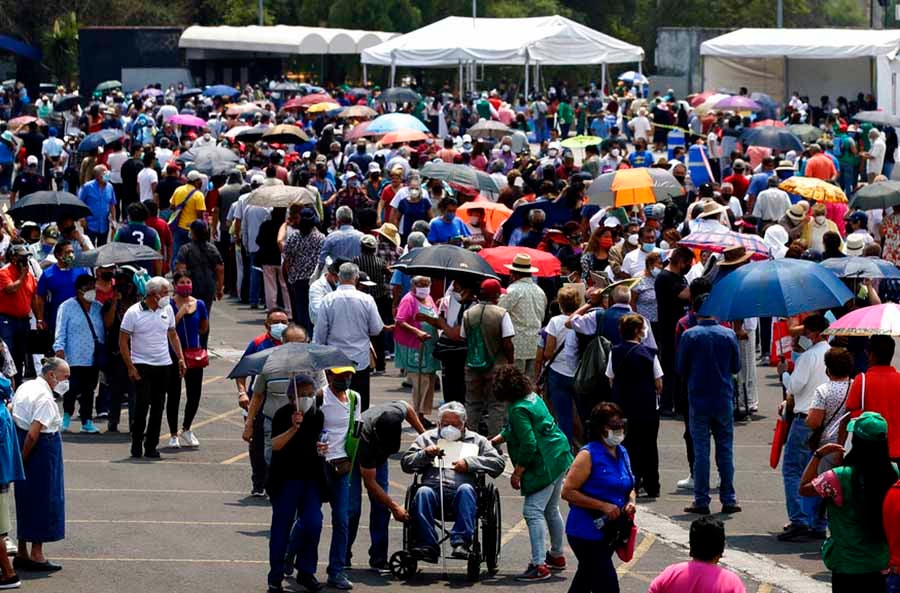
775,288
631,77
769,106
395,121
861,267
777,138
221,90
98,139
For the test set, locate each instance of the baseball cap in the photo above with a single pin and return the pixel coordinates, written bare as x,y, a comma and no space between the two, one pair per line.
18,250
31,161
321,160
368,241
374,167
491,288
858,217
738,164
50,234
194,176
870,426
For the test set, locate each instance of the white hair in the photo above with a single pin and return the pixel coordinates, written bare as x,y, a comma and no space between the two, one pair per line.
452,408
156,285
52,363
348,272
344,214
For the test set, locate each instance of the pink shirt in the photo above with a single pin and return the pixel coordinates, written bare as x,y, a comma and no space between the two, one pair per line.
406,311
835,212
696,577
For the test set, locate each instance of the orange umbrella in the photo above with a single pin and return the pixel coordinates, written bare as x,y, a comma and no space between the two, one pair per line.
495,214
628,187
401,136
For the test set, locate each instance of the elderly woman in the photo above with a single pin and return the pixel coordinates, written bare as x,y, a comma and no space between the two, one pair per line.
600,489
294,485
40,498
415,342
643,295
541,454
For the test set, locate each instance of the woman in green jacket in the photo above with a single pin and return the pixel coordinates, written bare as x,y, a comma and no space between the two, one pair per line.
541,454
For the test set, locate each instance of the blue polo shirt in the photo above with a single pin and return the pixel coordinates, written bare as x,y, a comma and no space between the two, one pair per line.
442,231
55,286
99,200
708,355
759,182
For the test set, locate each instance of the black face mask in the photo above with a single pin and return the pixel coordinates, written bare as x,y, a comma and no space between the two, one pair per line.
537,226
679,179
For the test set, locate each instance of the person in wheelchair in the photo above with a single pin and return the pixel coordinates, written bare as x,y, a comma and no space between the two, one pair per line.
459,482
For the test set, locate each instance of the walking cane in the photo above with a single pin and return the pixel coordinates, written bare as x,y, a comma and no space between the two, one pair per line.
443,530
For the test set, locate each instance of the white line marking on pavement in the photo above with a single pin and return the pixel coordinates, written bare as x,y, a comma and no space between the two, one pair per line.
752,564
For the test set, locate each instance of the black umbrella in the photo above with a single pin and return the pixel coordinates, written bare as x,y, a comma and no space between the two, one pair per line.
49,206
877,196
212,160
67,102
878,117
398,95
461,174
188,93
99,139
252,135
296,357
772,137
444,260
115,254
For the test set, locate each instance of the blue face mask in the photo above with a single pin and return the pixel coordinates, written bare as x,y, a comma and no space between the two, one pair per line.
648,247
449,216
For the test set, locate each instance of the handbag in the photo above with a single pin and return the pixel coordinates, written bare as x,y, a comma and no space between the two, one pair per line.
100,355
194,358
449,351
341,466
626,552
815,437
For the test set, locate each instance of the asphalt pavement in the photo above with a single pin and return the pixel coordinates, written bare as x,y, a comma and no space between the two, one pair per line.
186,522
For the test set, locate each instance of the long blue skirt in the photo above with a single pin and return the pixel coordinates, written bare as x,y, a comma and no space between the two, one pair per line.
40,497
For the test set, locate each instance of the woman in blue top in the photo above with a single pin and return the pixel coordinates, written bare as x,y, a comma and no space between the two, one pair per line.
191,321
447,226
599,484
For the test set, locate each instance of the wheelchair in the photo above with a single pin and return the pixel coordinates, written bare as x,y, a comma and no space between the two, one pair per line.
485,547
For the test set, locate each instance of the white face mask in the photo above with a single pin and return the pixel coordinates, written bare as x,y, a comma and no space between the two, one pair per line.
450,433
655,272
277,330
506,148
615,153
614,438
820,220
164,301
89,295
552,152
62,387
423,292
305,404
633,239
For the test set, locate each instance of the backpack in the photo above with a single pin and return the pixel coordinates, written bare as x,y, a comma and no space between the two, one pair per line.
175,217
477,355
590,375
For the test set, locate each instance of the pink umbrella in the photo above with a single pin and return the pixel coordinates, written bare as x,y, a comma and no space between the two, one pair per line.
738,103
877,320
185,119
359,130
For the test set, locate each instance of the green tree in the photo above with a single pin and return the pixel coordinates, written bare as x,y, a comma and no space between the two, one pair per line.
60,45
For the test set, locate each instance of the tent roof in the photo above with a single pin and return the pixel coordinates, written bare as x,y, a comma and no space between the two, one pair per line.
537,40
282,39
816,44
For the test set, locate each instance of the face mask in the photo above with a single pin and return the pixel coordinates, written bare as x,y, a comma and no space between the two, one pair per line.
655,272
606,242
449,216
423,292
615,153
68,260
805,343
164,301
552,152
353,184
633,239
450,433
106,177
575,239
184,289
474,220
304,404
820,220
614,438
340,385
62,387
107,276
415,195
506,148
277,330
679,179
648,247
89,295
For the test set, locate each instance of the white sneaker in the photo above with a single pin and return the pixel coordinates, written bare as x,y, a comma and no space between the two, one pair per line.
189,439
685,484
173,443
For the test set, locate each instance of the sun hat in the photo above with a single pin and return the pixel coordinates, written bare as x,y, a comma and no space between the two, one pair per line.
521,263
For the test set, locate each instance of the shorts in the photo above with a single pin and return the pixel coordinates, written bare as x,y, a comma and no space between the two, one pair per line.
5,522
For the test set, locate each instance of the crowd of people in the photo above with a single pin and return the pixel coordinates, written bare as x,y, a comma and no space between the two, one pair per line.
568,374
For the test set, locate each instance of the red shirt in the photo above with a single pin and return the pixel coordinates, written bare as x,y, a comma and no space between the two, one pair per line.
17,304
387,194
882,396
740,184
820,167
891,515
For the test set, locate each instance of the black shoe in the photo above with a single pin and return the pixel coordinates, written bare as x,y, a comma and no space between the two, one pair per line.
151,454
666,413
818,534
275,589
29,565
309,582
697,510
136,454
730,509
426,553
10,582
793,533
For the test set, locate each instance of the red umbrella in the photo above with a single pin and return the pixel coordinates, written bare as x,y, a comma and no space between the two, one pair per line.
23,120
767,122
316,98
497,257
700,98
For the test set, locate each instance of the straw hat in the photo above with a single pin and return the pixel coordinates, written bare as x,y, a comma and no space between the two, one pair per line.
711,208
734,256
796,213
389,232
521,263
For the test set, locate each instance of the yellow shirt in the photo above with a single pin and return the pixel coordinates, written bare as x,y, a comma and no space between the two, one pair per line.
193,210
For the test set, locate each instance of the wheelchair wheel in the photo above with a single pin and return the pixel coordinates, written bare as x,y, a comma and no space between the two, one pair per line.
473,564
491,529
402,565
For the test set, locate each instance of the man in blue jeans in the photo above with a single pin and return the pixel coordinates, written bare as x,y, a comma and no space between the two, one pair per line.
708,357
809,372
457,481
379,438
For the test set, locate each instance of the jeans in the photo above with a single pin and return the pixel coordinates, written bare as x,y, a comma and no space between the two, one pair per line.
540,508
179,237
14,332
721,424
562,396
595,572
802,510
300,499
83,381
893,580
379,517
193,384
427,508
888,170
255,280
150,397
300,303
339,498
257,449
848,175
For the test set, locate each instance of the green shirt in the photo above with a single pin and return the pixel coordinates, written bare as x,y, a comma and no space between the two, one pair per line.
536,443
565,113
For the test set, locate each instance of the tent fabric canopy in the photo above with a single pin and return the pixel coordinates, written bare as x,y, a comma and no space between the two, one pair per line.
282,39
513,41
14,46
814,44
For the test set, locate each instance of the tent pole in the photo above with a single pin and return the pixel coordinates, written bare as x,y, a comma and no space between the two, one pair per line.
393,72
525,94
602,79
365,79
460,87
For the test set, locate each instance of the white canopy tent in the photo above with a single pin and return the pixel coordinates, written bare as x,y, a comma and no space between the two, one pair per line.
814,62
282,39
459,41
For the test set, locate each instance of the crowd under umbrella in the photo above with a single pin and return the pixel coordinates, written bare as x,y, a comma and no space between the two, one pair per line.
487,128
211,160
107,85
556,214
100,139
48,206
285,134
775,288
460,174
877,196
444,261
877,117
813,188
185,119
547,264
874,320
279,196
719,242
772,137
67,102
313,99
630,187
252,134
221,90
398,94
805,132
738,103
391,122
403,137
357,112
293,357
858,266
114,254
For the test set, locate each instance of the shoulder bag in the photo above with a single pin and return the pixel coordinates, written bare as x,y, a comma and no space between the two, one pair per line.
100,354
194,358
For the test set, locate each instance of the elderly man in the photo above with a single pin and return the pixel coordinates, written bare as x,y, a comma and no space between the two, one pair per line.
819,164
344,242
771,203
98,195
633,262
526,303
347,318
145,337
457,479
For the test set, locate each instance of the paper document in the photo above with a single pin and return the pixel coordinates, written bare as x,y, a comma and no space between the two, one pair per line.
454,451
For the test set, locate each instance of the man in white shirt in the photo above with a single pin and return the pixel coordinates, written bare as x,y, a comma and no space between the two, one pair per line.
146,334
875,155
51,151
809,373
641,126
633,262
771,203
147,178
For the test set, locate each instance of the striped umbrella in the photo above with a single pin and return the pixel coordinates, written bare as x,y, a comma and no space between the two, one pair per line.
876,320
813,188
719,242
628,187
